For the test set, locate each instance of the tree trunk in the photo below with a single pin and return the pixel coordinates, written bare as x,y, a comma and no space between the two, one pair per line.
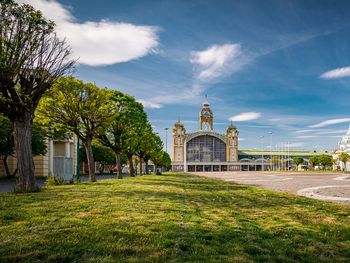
22,133
119,164
7,170
146,167
90,159
131,166
140,162
345,166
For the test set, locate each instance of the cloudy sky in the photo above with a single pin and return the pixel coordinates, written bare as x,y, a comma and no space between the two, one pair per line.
269,66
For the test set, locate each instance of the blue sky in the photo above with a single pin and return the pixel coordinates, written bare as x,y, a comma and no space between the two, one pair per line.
270,66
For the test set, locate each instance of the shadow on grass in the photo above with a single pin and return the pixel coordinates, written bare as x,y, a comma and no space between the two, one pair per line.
170,218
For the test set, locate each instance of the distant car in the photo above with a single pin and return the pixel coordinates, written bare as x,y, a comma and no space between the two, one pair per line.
124,169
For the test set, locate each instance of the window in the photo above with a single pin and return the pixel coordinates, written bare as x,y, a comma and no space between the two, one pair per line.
206,148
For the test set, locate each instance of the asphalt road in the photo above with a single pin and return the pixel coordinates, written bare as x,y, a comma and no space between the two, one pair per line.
333,187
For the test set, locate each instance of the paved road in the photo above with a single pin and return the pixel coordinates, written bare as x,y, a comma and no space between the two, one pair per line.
333,187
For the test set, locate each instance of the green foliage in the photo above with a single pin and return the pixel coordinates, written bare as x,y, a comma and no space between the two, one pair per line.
313,161
344,157
325,160
161,159
170,218
39,136
54,180
166,160
79,107
297,160
128,116
102,154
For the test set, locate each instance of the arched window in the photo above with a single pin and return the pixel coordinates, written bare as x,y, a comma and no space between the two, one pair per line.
206,148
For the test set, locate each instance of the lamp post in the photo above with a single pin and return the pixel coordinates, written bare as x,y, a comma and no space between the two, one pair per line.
166,139
262,153
271,166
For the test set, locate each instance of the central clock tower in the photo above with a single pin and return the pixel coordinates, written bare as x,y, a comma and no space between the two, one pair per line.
206,117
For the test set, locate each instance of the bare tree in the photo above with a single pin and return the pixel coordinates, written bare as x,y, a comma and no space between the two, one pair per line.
31,59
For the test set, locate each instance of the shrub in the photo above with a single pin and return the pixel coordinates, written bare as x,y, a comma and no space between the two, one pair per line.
55,180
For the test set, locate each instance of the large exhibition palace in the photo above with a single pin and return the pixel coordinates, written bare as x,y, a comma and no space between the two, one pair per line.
206,150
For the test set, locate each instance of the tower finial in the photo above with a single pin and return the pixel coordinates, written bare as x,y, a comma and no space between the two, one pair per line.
206,102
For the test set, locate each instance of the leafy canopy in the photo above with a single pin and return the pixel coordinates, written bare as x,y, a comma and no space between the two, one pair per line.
297,160
80,107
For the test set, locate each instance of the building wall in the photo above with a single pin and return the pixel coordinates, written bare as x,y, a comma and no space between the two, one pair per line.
178,143
42,163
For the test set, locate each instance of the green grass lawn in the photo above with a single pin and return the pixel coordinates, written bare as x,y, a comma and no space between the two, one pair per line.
170,218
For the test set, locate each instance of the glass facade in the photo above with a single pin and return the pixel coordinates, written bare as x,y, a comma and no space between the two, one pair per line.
206,148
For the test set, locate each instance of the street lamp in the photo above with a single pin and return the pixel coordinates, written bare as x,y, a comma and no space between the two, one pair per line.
166,139
271,166
262,153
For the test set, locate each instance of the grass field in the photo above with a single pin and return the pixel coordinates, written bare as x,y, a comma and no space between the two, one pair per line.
170,218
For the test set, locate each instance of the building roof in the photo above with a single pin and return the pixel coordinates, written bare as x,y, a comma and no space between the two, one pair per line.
304,153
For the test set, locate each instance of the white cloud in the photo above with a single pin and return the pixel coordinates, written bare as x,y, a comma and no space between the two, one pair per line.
150,104
304,131
332,132
275,119
330,122
336,73
99,43
246,116
306,136
214,61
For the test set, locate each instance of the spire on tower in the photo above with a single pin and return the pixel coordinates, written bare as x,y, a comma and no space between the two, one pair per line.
206,102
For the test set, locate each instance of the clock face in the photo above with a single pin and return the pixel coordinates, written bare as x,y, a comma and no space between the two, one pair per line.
206,114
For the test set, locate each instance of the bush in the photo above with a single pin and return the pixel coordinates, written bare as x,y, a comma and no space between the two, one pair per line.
55,180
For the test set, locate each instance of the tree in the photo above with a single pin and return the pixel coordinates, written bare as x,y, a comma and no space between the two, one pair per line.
7,146
154,151
146,143
104,155
297,160
82,108
127,114
31,59
133,136
344,157
325,160
161,159
313,161
166,160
